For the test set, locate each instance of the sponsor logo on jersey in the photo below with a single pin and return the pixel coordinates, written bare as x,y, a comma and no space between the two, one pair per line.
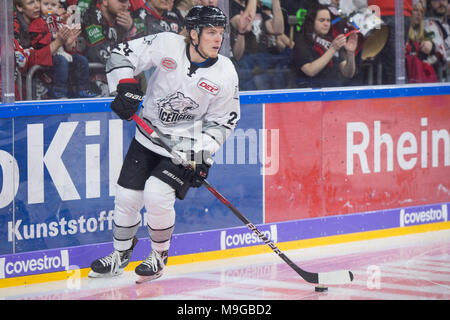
94,33
175,108
168,64
208,86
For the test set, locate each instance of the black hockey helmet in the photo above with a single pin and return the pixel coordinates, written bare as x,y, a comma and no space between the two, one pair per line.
204,16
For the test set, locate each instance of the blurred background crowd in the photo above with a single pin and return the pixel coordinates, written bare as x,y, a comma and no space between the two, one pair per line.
61,46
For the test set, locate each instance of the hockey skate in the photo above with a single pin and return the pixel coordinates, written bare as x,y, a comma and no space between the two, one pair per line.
113,264
152,267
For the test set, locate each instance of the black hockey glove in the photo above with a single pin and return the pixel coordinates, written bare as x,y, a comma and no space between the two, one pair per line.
129,96
201,162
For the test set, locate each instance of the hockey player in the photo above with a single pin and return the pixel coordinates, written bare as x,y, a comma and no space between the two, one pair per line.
192,100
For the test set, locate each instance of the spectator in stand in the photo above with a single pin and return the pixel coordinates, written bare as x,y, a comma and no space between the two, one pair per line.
320,60
104,25
437,27
241,24
343,25
28,10
182,7
420,49
43,30
256,60
388,54
281,47
282,41
155,17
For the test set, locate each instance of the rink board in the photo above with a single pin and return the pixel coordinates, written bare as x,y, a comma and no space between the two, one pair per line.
71,262
350,156
67,168
285,168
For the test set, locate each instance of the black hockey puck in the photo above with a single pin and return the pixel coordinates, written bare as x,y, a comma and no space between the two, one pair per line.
321,289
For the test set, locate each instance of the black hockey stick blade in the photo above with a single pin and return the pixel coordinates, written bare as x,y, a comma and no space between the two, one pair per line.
324,278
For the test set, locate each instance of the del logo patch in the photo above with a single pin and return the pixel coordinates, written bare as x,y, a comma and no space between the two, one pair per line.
208,86
168,63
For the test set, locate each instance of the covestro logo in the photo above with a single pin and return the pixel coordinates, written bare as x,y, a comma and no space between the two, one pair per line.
21,266
236,239
416,216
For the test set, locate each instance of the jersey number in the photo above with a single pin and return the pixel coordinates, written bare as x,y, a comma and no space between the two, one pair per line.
233,116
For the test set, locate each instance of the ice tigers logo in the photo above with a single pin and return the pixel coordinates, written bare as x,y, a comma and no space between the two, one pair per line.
175,108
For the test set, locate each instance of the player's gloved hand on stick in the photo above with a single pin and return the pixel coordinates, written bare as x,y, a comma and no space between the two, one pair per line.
129,96
201,162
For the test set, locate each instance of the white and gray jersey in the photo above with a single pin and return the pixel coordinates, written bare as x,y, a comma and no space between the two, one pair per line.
197,108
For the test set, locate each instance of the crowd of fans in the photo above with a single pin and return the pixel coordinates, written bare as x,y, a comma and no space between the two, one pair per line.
275,44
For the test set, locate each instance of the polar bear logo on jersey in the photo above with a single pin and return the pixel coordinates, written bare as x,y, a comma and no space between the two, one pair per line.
175,108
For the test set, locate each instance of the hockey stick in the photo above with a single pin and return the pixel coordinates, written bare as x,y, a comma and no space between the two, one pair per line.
325,278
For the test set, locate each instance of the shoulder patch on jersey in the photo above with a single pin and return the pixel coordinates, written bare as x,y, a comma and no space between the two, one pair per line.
208,86
168,64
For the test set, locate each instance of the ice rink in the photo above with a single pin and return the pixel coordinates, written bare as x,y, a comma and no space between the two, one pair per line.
409,267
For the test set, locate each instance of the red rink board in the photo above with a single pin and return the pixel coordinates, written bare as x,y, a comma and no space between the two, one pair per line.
400,150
